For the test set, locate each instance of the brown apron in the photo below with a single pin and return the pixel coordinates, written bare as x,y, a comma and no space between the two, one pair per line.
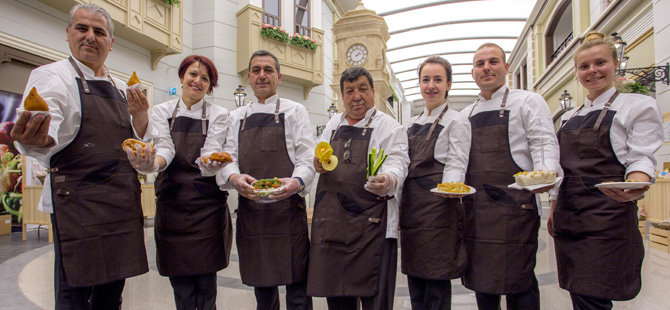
349,223
501,224
599,249
193,229
272,238
96,194
431,235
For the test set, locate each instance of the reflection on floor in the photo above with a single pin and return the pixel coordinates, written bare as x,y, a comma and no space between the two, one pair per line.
26,281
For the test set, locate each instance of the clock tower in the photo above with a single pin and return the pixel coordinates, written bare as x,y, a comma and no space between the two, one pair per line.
360,39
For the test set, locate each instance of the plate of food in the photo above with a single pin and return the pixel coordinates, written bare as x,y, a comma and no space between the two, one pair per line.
628,184
454,188
532,180
266,187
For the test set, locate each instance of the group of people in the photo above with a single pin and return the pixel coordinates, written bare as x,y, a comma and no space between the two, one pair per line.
488,239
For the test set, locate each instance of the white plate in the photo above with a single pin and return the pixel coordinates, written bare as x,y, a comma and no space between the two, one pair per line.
472,191
533,187
624,185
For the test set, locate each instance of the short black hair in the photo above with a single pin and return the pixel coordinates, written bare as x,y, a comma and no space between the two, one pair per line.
353,74
264,53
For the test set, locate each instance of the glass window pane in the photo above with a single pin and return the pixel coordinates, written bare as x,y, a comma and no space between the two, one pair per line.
302,17
302,3
271,7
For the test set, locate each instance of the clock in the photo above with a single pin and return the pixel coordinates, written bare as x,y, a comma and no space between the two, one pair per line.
357,54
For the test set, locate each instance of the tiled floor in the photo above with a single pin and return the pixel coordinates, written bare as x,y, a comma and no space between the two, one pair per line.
26,281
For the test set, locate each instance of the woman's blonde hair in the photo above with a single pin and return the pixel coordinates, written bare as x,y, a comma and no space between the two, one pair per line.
593,38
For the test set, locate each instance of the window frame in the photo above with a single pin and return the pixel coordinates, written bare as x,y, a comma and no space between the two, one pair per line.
299,28
271,19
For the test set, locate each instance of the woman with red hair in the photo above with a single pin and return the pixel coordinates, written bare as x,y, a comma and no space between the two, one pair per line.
193,229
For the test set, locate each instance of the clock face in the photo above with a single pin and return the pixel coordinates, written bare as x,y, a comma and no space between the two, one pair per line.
357,54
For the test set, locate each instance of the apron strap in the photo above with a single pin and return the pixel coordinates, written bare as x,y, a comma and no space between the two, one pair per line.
604,111
365,129
439,118
81,75
502,105
203,119
244,121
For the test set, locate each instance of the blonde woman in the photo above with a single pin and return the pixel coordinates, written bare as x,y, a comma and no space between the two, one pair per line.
611,137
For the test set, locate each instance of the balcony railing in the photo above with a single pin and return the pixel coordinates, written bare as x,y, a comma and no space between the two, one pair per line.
151,24
298,64
561,47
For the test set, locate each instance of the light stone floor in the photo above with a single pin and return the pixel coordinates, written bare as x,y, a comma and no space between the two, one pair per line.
26,282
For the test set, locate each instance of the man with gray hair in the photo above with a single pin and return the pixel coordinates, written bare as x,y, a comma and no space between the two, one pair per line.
98,237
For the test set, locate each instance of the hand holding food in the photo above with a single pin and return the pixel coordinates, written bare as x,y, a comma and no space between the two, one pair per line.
381,184
142,156
527,178
242,184
35,102
210,165
134,80
287,188
33,131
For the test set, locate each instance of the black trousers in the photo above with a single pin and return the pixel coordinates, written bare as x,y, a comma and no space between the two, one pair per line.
386,286
429,294
528,300
581,302
267,298
99,297
195,292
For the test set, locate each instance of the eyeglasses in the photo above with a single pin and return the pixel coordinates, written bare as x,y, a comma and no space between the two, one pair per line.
347,151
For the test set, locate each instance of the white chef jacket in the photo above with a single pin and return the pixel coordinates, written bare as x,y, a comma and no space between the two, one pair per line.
387,135
452,147
298,133
530,127
56,83
636,132
216,132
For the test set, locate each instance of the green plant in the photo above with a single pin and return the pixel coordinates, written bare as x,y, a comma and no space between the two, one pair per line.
304,41
172,2
626,85
273,32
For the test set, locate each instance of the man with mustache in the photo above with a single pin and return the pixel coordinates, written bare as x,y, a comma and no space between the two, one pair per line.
271,137
354,251
98,237
512,131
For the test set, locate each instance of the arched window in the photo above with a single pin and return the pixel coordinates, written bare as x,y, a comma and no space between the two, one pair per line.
559,32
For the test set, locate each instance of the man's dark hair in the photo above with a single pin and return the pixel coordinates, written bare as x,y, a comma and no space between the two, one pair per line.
353,74
264,53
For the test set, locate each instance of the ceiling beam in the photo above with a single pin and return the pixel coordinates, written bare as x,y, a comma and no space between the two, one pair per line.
457,22
427,55
454,39
421,6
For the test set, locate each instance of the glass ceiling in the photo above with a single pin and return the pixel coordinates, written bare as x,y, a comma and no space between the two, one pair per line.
450,28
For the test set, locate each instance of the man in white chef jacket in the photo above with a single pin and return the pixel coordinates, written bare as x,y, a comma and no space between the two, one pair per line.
512,131
92,191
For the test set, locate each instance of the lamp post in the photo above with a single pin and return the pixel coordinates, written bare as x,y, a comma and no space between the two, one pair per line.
565,100
332,110
645,76
240,95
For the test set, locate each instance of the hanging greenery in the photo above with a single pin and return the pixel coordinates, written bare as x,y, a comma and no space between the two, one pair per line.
171,2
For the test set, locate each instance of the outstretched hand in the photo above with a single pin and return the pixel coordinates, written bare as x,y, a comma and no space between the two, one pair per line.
32,132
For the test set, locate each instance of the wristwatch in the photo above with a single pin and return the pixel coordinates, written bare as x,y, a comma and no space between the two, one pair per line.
302,184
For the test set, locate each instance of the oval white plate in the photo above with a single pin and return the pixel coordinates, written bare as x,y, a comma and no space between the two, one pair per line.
533,187
623,185
472,191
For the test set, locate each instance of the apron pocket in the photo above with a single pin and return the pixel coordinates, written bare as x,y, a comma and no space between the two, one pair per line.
209,190
334,224
168,193
102,174
503,219
97,207
348,204
425,183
